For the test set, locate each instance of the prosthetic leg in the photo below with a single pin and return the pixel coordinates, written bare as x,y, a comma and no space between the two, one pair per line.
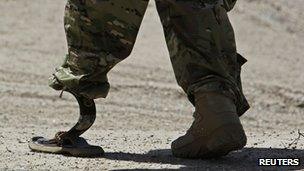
70,142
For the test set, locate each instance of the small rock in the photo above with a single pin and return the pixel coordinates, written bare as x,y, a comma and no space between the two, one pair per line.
301,105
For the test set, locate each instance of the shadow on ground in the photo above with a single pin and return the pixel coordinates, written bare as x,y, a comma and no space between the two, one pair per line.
246,159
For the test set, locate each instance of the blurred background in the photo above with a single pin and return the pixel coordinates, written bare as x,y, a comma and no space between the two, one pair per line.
145,109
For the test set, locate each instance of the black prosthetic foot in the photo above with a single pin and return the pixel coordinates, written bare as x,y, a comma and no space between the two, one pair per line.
70,142
79,148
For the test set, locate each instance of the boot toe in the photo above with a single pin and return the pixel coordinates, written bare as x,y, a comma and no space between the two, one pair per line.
187,146
220,143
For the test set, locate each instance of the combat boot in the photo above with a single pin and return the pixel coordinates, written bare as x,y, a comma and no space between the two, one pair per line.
215,131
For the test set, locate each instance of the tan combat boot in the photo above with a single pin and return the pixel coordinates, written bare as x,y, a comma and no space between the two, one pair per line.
215,131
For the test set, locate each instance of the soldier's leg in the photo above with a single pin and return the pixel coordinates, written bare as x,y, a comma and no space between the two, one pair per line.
203,53
100,34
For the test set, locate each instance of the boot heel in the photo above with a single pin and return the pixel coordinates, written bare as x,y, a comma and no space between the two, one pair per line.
226,139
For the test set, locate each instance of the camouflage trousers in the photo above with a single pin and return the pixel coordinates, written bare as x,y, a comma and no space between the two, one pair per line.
200,39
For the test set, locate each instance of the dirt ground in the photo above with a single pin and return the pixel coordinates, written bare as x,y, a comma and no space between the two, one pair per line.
145,109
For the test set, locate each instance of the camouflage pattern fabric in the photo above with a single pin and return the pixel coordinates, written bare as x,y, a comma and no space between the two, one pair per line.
199,36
